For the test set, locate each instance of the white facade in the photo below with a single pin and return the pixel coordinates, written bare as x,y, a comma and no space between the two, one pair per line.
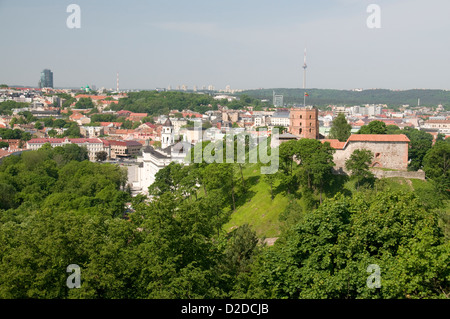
280,119
152,160
93,145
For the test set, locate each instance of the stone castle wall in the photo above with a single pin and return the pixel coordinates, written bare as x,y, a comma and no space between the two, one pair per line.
393,155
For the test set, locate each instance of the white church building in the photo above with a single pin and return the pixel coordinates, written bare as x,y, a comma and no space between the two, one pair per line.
153,159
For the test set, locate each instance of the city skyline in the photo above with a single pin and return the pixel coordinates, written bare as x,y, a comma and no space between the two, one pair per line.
246,45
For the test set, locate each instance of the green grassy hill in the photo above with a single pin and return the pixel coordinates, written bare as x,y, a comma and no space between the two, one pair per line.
259,210
262,214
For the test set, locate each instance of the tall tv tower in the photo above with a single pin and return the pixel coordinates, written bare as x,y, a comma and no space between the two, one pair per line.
304,79
117,88
304,70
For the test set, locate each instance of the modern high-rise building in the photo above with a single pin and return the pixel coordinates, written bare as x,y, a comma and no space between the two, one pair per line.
46,79
277,100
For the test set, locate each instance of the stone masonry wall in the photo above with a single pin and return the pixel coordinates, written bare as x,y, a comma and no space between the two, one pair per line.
392,155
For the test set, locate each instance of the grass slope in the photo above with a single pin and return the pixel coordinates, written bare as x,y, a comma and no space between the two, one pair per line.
262,214
259,211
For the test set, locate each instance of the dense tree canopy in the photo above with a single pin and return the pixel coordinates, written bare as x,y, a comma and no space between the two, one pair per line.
437,165
58,209
84,103
374,127
359,163
7,106
14,134
326,255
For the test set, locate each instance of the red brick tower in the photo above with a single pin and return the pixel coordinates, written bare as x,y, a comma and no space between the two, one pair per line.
304,122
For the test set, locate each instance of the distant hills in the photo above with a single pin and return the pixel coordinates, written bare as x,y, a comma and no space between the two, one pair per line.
325,97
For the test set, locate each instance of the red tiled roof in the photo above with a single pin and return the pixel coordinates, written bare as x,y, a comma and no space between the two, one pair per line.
138,114
118,124
150,125
76,116
123,112
378,138
85,140
46,140
123,131
438,121
92,97
335,143
124,143
4,153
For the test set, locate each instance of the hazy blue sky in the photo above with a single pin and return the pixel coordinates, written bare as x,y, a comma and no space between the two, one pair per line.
241,43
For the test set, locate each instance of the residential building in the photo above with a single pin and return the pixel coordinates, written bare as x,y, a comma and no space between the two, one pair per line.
280,119
93,145
441,126
124,148
92,131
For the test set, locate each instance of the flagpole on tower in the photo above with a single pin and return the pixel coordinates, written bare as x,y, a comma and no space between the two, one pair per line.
304,79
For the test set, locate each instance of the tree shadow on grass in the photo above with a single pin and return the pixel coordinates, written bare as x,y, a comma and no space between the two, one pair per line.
246,195
337,185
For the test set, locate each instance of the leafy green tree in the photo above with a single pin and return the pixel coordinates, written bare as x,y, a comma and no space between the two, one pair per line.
327,254
59,123
99,117
84,103
436,165
393,129
316,162
7,106
374,127
101,156
359,165
340,129
52,133
270,180
127,124
48,121
241,249
73,131
38,125
167,179
4,144
440,137
292,214
420,143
